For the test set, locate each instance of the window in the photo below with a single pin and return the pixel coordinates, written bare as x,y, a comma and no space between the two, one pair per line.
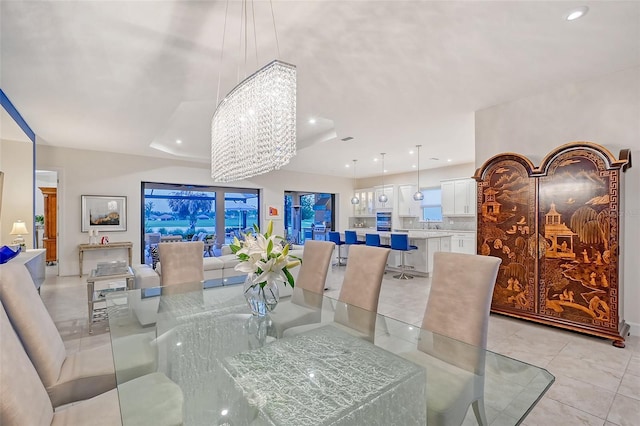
189,212
432,204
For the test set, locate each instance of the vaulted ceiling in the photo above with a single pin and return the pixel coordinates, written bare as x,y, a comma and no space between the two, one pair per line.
135,76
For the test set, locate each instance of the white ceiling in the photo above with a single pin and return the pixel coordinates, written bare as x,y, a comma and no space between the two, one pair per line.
134,76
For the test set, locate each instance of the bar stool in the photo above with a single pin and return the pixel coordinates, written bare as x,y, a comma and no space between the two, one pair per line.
335,238
373,240
400,242
350,237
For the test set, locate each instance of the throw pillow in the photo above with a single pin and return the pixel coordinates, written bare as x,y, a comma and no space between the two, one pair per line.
155,257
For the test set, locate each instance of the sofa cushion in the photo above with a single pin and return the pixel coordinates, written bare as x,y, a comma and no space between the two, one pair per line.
211,263
145,277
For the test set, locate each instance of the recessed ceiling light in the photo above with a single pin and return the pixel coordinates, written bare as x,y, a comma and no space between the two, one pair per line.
413,165
375,159
411,152
576,13
346,165
448,160
178,141
312,121
385,170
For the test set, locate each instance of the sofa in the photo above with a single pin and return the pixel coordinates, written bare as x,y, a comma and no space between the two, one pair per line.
220,268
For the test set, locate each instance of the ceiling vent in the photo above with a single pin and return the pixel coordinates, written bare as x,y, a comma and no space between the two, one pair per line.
348,138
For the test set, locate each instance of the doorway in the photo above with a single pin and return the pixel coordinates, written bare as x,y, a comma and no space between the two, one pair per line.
308,215
46,217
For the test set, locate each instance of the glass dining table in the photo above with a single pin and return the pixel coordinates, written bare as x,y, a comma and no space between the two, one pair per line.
313,361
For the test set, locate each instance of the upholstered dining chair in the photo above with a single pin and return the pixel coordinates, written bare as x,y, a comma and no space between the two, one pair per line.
66,377
453,349
24,399
181,263
358,300
305,304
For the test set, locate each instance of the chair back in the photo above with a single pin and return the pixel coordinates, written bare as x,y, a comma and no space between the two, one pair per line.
399,242
460,296
372,240
23,400
363,277
153,238
334,237
361,288
315,265
32,322
181,262
350,237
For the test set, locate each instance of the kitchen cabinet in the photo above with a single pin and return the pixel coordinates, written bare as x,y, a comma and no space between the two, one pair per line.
458,197
366,207
388,190
407,206
557,229
463,243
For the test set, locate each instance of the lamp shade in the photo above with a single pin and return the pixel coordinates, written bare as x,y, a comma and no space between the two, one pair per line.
19,228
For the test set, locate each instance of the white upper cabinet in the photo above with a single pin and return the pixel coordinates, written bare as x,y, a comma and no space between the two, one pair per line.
388,190
366,206
458,197
407,206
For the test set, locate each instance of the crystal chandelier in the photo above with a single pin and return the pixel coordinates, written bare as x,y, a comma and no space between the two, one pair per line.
418,196
383,197
253,130
354,200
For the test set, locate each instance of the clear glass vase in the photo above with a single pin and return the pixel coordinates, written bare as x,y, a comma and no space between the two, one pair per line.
261,299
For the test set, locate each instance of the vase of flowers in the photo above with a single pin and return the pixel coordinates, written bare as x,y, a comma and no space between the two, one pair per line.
267,262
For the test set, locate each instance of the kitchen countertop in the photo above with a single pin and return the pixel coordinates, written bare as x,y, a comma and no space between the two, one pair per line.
413,233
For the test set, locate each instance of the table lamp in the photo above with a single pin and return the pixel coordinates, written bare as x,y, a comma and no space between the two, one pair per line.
19,229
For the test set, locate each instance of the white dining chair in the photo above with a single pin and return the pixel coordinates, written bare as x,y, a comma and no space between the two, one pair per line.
68,377
454,338
24,399
358,300
305,304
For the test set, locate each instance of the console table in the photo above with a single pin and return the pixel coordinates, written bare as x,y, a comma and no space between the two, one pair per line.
111,246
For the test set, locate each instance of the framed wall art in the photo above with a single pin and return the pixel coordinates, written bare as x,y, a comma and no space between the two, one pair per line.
104,213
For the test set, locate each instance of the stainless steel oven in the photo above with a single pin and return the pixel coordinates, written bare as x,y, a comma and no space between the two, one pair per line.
383,221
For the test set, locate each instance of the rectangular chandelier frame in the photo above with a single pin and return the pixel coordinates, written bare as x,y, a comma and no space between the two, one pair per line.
253,130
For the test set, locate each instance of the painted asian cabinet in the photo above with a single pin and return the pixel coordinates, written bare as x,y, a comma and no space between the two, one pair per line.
557,230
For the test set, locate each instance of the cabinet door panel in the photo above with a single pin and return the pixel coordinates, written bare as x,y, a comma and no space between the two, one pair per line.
506,229
578,273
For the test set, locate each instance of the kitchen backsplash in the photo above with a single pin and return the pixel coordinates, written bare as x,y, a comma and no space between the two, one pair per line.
451,223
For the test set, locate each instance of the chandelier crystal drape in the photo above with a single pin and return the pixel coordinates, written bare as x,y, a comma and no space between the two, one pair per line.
253,130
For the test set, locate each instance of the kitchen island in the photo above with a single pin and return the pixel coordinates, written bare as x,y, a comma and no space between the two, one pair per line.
428,242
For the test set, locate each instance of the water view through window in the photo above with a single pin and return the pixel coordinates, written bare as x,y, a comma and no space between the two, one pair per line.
213,215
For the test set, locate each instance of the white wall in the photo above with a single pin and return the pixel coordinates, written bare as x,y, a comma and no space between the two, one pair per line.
16,161
84,172
428,177
605,110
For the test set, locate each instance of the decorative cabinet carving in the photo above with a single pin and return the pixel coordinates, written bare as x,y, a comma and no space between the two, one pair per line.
556,229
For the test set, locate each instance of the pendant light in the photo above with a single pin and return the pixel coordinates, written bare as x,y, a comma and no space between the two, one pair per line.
354,200
418,196
383,197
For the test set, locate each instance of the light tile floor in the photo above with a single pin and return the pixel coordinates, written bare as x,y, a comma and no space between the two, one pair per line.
596,383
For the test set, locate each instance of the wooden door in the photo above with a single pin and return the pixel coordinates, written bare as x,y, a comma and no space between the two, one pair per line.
49,240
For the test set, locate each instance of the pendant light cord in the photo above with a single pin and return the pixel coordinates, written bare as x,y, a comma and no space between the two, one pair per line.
224,32
273,17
